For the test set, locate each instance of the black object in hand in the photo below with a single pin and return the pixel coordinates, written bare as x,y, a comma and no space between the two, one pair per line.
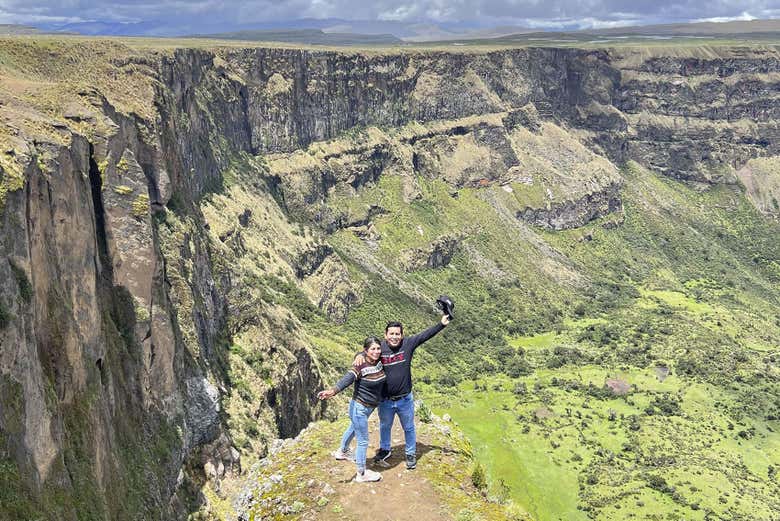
445,303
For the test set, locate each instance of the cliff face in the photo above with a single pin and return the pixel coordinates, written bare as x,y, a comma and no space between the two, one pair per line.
162,211
694,118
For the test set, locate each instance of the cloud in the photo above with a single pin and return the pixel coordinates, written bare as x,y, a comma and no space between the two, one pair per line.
547,14
744,17
587,22
401,13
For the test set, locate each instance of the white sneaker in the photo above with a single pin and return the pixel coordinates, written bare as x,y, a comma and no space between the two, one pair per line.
347,455
367,476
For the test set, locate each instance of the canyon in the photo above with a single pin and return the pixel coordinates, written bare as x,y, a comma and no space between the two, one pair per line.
188,231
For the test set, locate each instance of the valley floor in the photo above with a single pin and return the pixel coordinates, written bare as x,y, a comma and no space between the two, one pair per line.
593,443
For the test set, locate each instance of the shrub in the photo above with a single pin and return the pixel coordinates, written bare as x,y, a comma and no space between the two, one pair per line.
502,491
447,380
478,477
5,316
424,413
467,515
665,405
25,288
518,366
599,393
658,483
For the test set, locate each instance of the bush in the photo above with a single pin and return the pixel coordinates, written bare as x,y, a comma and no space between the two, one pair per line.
563,355
599,393
658,483
467,515
601,334
424,413
478,477
502,491
665,405
25,288
518,366
447,380
5,316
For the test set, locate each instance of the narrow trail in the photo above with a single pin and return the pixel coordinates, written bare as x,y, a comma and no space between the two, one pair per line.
303,481
401,494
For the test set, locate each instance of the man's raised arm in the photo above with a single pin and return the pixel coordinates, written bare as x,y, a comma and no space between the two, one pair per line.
415,340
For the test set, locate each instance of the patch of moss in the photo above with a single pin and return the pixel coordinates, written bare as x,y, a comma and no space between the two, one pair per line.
123,165
15,500
5,316
13,407
102,167
11,177
22,282
123,190
141,311
140,206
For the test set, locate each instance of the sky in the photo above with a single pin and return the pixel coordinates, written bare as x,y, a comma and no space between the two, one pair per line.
192,15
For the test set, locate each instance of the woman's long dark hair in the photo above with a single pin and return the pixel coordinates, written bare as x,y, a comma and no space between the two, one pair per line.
369,341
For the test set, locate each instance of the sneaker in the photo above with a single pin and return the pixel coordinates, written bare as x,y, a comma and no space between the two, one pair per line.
367,476
342,455
382,455
411,462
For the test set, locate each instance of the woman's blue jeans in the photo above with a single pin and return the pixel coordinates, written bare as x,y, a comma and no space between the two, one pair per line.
358,428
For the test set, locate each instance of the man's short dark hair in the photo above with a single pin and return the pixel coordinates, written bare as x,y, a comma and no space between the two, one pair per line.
394,324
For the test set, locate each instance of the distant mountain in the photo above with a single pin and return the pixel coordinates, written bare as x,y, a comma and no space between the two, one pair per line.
752,30
9,29
108,28
432,32
697,29
336,31
305,36
349,32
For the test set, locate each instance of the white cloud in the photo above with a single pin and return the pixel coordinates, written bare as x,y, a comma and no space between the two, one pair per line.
576,23
32,18
744,17
401,13
596,23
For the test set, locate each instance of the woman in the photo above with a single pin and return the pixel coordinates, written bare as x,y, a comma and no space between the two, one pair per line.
369,378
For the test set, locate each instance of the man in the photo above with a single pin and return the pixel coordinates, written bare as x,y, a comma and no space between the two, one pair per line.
397,354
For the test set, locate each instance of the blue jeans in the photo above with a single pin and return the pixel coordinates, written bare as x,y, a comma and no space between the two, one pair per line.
404,408
358,428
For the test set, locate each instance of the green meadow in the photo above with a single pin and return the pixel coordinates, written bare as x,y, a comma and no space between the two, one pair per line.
561,445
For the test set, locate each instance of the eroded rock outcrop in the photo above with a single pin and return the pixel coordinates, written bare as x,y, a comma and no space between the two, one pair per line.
573,214
761,179
437,255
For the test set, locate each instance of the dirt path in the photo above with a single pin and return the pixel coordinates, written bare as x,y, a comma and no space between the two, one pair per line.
401,494
302,480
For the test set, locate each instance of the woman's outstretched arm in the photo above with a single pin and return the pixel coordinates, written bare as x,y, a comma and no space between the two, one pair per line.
344,382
